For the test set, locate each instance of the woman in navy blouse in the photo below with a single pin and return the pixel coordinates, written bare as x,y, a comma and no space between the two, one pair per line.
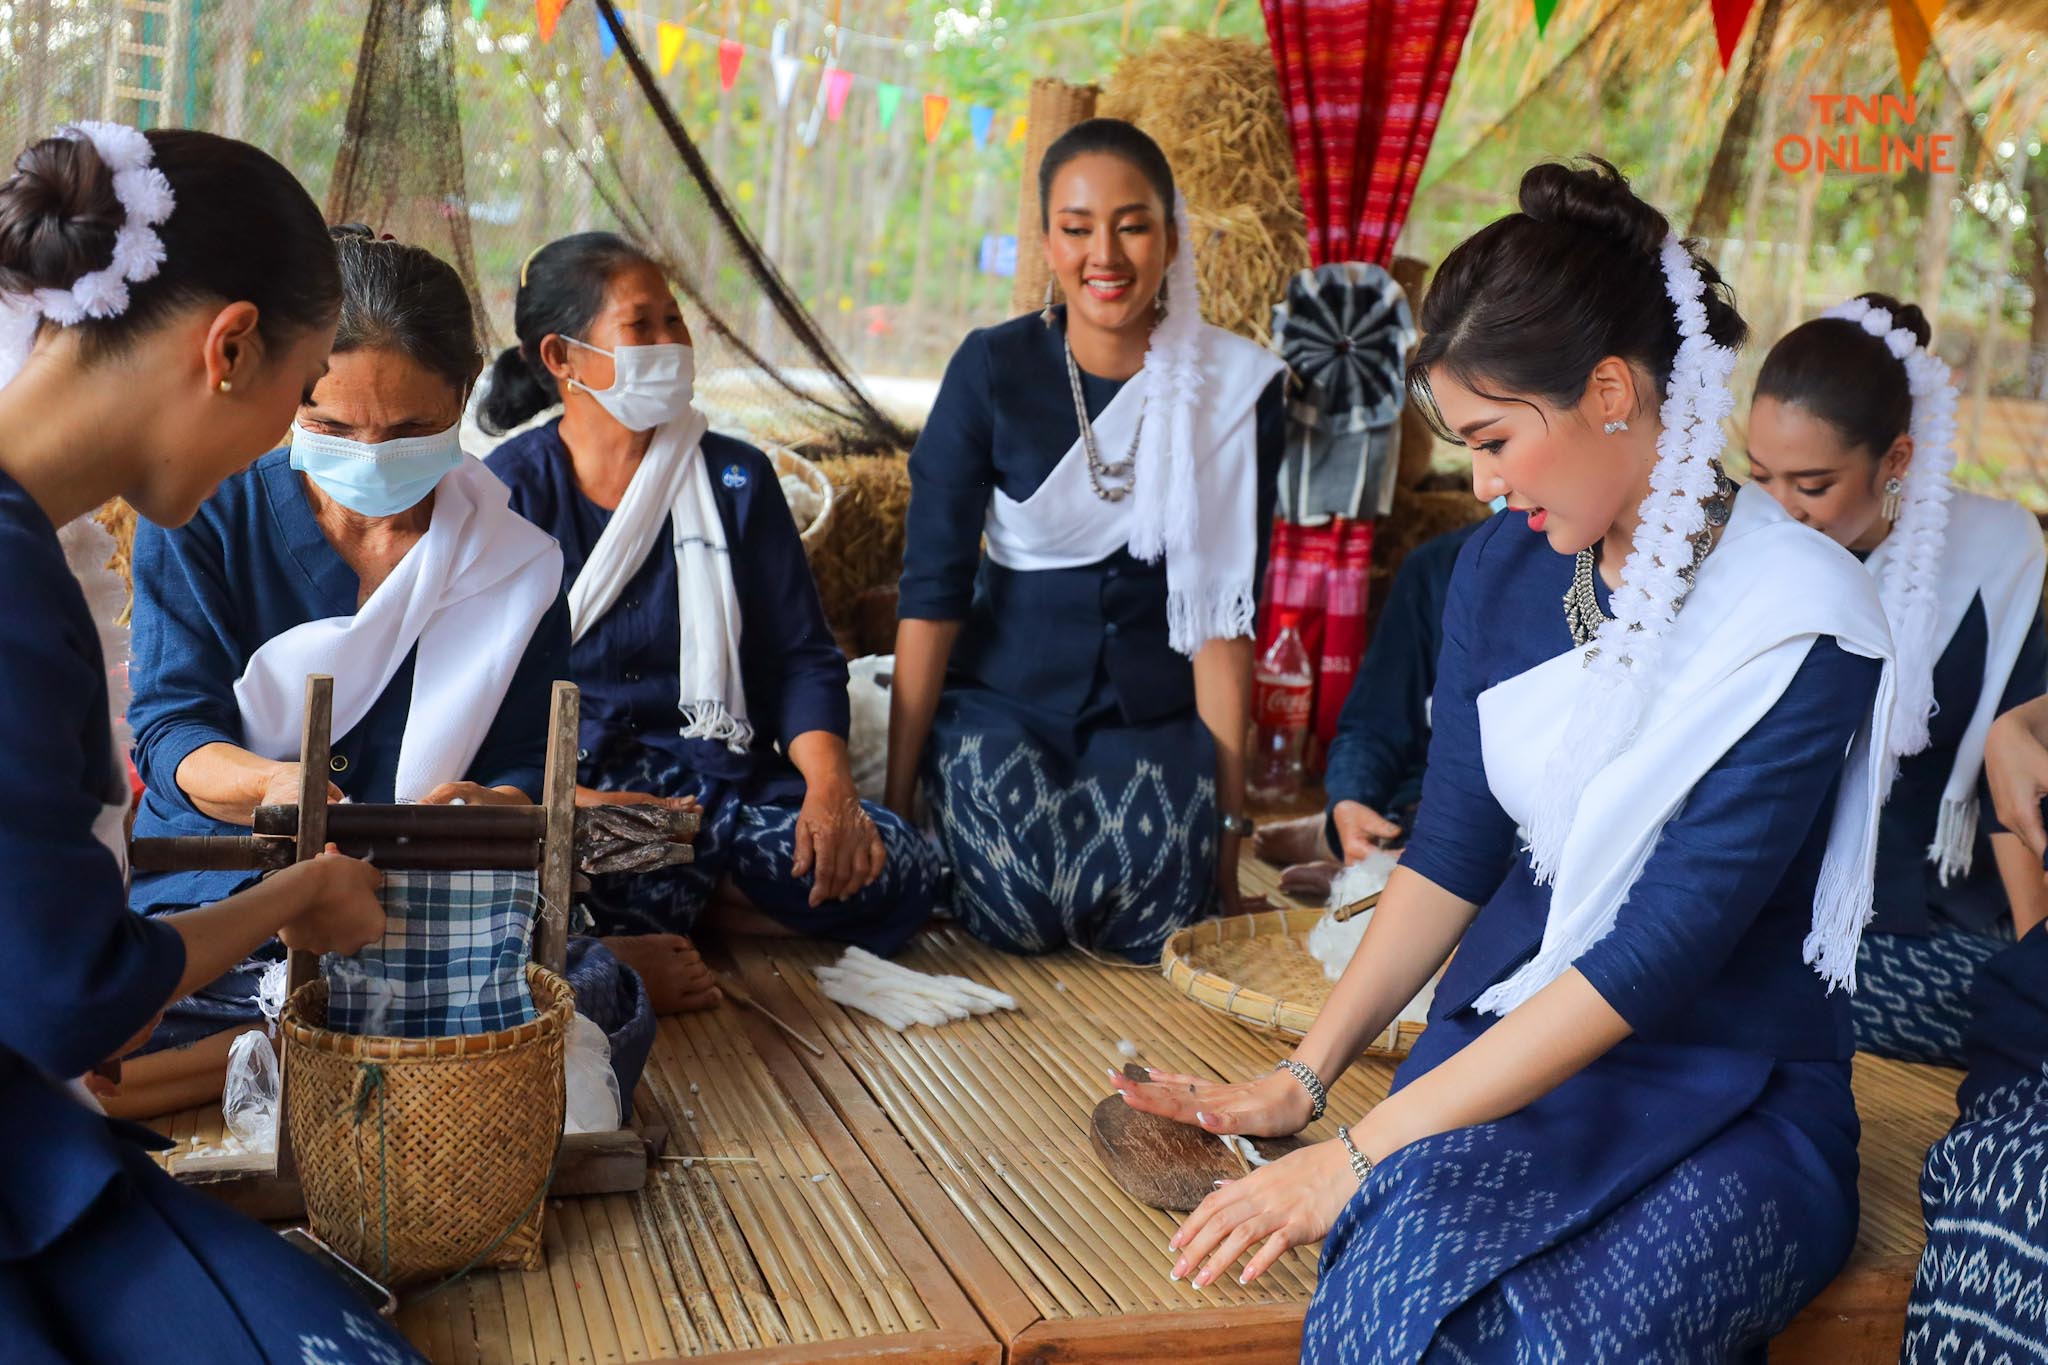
297,566
217,325
1627,1133
1075,710
1832,436
709,675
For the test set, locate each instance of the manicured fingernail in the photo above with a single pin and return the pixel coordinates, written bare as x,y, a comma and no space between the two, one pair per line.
1245,1278
1113,1074
1173,1275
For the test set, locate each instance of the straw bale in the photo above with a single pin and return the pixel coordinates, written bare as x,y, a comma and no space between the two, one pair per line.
1213,105
862,548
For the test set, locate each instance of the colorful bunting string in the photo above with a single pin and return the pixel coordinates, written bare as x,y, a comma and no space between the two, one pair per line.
669,39
1912,30
730,55
1729,18
934,116
607,45
980,119
1544,9
837,84
476,8
887,97
547,13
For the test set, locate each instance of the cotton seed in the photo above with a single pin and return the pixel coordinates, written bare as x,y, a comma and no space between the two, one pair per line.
818,1179
690,1114
693,1087
1060,986
1126,1048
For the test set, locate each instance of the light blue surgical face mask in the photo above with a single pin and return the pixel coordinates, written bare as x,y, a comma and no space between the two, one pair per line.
378,480
1499,504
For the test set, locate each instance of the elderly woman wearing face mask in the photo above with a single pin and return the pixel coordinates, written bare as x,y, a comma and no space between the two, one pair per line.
1852,430
369,548
709,675
1075,700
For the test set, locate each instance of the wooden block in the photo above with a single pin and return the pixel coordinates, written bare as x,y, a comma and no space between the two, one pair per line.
1165,1164
1268,1334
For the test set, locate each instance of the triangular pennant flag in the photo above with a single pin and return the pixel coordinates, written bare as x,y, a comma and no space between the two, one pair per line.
980,119
785,68
1544,9
887,97
1912,30
729,55
1017,131
1729,17
476,8
837,83
548,12
607,45
934,116
669,39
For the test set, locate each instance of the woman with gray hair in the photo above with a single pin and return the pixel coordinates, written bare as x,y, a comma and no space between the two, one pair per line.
370,548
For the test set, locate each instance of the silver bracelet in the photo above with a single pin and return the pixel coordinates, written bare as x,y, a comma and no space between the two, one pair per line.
1318,1096
1361,1164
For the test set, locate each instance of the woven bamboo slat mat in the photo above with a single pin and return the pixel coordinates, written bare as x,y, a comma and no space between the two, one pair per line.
997,1107
1905,1108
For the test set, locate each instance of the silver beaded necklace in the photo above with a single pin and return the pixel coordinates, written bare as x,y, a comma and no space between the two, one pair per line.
1111,482
1582,613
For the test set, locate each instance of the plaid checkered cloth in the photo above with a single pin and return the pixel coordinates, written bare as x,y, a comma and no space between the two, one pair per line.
452,960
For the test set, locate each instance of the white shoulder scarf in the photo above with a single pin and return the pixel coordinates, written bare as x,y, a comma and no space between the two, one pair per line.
1063,525
1995,549
673,484
1731,653
469,595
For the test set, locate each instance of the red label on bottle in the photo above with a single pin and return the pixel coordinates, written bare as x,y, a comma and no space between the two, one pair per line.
1281,707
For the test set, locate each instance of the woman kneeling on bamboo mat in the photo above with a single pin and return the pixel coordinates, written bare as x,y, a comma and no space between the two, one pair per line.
370,549
166,298
709,675
1852,430
1627,1132
1075,702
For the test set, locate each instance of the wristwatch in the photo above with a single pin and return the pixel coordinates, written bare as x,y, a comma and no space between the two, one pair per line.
1240,825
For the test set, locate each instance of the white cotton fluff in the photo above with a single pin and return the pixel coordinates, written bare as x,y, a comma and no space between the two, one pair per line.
805,502
900,997
867,735
1126,1048
88,549
1244,1148
1332,943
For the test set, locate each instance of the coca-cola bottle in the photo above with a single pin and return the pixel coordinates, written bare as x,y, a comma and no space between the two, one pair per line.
1282,686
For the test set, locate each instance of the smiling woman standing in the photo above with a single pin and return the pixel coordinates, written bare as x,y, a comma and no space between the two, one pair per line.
1076,700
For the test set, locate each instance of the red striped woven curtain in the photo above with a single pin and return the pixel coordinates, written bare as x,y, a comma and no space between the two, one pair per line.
1364,82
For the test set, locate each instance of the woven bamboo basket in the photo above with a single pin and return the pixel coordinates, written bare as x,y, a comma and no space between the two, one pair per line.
424,1156
789,462
1257,969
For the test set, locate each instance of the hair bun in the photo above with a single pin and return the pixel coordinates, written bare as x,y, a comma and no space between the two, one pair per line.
58,216
1594,196
1906,315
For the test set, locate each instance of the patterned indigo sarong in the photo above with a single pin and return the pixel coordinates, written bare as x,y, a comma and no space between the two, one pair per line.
755,845
1912,997
1981,1295
1107,839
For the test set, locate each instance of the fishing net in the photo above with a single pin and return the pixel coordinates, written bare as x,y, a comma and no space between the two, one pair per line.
460,129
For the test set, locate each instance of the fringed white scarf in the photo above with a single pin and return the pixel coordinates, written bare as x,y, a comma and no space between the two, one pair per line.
1194,480
1944,551
673,484
1725,663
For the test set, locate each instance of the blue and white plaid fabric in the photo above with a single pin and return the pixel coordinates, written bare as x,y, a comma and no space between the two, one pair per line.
452,960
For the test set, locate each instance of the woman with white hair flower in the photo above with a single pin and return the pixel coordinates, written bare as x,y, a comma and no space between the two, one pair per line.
1853,431
1647,829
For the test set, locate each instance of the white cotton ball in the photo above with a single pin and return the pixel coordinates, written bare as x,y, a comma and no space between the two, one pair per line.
1060,986
1366,877
1126,1048
819,1179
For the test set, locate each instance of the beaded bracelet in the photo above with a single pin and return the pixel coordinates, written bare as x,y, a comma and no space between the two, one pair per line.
1361,1164
1318,1096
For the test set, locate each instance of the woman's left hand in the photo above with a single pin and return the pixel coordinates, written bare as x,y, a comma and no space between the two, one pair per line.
473,794
836,840
1291,1203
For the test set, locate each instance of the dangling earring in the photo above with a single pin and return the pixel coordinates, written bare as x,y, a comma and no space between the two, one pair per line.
1615,426
227,386
1159,299
1045,316
1889,508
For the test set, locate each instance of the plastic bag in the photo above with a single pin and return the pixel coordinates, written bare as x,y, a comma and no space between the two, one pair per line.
593,1088
248,1100
867,738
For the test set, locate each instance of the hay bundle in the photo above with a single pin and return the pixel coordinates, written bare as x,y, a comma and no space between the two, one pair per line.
862,547
1213,105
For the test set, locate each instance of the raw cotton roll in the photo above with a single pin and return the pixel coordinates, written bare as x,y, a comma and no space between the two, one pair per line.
900,997
1333,944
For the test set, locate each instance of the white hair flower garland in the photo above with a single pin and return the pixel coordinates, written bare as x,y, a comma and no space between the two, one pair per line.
146,201
1623,656
1911,582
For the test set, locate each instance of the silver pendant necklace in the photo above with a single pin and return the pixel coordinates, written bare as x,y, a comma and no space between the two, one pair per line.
1111,482
1582,613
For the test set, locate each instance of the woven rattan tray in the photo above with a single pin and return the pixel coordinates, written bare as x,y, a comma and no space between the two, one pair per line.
1257,969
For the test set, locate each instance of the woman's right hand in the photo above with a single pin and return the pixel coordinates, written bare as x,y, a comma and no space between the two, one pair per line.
337,906
1275,1105
2016,769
